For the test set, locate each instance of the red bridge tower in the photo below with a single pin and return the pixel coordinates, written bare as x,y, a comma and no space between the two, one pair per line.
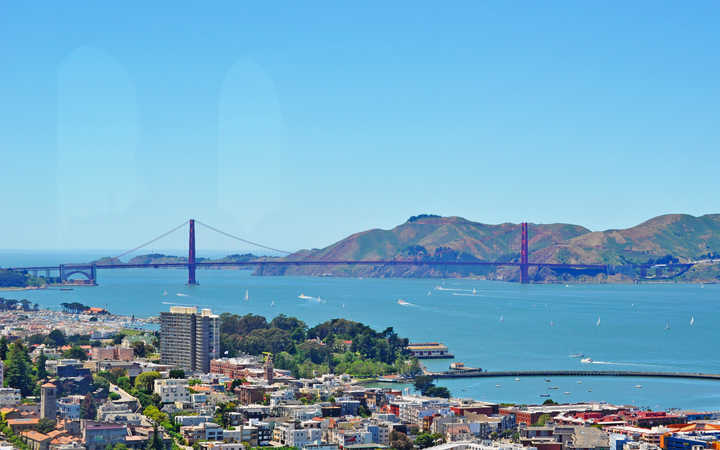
524,279
191,254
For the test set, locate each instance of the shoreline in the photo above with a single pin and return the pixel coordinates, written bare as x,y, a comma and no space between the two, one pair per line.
25,288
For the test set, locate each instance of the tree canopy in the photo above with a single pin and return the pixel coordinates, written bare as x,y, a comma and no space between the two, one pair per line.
337,345
18,369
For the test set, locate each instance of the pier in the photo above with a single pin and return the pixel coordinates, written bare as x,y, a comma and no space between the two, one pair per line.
572,373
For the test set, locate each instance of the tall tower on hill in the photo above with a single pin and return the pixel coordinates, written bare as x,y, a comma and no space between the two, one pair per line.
48,401
269,369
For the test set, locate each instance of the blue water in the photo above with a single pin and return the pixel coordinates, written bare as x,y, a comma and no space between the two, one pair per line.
542,325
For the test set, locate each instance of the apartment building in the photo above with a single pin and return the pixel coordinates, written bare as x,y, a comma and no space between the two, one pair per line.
189,339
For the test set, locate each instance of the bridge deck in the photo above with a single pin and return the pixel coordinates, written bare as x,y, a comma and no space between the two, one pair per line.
312,263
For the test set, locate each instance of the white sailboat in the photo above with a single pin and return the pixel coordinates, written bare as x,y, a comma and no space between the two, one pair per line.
164,293
272,303
667,325
597,324
247,295
692,320
474,291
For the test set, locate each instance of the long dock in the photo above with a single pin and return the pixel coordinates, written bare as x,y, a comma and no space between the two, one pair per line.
571,373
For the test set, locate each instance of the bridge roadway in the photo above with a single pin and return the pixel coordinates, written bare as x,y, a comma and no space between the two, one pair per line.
572,373
314,263
394,262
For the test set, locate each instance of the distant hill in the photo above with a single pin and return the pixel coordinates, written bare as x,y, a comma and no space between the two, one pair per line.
671,238
685,237
159,258
668,238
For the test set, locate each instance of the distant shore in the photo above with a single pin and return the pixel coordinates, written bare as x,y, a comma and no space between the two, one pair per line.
22,288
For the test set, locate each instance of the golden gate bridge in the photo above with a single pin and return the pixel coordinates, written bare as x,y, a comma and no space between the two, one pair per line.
89,270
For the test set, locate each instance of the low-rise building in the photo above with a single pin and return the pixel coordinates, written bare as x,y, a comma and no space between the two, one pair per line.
98,435
172,390
208,431
251,394
115,353
68,407
236,368
290,435
9,396
218,445
189,421
429,350
244,433
36,440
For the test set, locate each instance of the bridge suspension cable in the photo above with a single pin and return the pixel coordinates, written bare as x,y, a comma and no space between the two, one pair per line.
241,239
151,241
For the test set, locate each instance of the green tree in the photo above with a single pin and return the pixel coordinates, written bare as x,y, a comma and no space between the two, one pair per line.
45,425
155,414
423,383
425,440
541,420
56,338
145,382
88,410
363,411
222,414
41,370
118,338
177,373
18,370
400,441
75,352
438,391
156,442
3,348
139,348
100,382
236,382
124,383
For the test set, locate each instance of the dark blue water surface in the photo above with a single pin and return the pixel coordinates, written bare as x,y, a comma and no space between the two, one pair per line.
493,325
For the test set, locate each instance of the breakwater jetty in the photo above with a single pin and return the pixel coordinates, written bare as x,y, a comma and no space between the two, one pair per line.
570,373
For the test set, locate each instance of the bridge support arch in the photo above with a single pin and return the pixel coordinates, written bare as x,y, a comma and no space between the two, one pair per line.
88,271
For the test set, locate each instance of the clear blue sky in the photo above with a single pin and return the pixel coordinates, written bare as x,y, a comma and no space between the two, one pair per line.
298,124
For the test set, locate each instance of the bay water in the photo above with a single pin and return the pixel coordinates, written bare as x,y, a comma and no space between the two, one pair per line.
487,324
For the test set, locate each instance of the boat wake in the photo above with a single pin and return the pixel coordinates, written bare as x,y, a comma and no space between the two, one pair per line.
440,288
617,363
462,294
181,304
311,299
180,294
402,302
